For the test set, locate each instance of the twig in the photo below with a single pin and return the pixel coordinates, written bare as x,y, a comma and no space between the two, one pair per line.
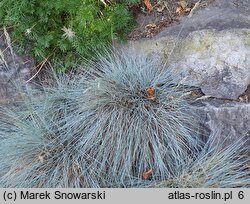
195,7
41,66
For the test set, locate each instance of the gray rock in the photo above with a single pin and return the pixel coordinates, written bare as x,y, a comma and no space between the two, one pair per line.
227,120
209,50
216,61
219,15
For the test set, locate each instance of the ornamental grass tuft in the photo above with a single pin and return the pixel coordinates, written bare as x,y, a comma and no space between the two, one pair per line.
122,123
215,167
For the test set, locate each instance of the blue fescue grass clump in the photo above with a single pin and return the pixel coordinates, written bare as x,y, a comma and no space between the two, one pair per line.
125,131
31,154
109,126
215,167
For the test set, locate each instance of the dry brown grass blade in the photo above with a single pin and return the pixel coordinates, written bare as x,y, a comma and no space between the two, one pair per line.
40,68
8,40
2,58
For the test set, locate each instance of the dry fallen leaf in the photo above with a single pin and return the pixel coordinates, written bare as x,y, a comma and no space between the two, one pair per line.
178,9
182,4
150,93
151,25
147,174
160,8
182,7
148,5
187,9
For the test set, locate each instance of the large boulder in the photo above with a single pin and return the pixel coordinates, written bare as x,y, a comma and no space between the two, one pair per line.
211,50
218,15
216,61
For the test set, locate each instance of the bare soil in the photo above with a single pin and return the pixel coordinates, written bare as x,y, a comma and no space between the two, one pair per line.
165,13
